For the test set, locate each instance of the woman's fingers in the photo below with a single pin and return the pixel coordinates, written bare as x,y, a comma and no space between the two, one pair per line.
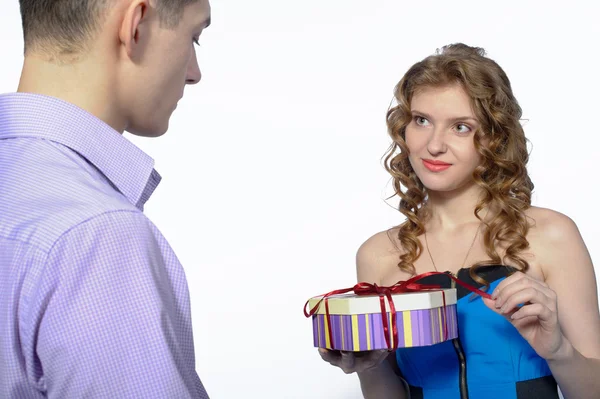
351,362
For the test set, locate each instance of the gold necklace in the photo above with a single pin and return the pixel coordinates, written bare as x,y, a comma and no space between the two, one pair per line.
466,256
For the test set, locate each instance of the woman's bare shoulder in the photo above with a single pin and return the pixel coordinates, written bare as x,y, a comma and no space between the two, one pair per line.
553,236
549,226
378,256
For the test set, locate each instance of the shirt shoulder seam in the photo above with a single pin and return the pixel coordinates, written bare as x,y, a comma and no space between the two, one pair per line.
91,218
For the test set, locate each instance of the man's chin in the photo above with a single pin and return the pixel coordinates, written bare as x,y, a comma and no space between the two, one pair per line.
149,131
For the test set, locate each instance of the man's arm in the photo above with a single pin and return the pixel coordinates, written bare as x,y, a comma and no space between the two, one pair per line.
112,315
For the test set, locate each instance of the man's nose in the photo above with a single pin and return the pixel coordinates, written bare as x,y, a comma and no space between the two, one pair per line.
193,73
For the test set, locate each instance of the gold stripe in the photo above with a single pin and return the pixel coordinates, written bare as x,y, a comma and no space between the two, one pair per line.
327,327
408,341
355,337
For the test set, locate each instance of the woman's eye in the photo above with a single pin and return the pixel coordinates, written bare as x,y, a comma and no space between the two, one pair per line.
462,128
419,120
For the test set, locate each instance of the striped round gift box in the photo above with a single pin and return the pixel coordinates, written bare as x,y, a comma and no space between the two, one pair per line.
356,321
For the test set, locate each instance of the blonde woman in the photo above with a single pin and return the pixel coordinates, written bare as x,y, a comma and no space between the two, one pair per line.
458,163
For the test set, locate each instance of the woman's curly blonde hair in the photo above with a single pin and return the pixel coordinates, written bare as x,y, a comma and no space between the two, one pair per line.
500,140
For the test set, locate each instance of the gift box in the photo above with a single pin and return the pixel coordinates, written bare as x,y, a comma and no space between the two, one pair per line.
382,320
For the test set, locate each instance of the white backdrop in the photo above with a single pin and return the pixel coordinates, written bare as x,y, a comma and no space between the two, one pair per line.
272,172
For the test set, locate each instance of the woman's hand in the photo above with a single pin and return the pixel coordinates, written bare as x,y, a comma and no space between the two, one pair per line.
537,318
351,362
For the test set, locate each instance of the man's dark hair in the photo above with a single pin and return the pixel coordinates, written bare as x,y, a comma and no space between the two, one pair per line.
65,27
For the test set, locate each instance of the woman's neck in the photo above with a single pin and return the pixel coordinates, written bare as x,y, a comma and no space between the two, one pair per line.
451,211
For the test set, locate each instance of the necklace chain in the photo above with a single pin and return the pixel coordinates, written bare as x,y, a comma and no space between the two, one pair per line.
466,256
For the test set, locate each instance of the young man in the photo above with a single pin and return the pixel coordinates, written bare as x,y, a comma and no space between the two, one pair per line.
93,301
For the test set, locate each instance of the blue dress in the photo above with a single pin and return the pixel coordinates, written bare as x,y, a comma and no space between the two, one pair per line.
488,360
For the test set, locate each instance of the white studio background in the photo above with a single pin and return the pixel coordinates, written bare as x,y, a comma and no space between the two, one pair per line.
272,172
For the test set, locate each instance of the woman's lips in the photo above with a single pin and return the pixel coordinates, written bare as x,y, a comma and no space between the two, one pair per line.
435,166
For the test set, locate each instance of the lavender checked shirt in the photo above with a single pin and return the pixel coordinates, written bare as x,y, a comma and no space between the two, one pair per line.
93,301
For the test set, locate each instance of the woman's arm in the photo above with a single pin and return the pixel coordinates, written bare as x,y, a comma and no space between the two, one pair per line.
382,382
372,260
560,317
569,272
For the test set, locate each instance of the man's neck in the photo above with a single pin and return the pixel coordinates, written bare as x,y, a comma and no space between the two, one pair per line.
85,84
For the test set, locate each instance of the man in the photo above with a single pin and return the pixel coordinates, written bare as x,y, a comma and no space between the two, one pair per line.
93,301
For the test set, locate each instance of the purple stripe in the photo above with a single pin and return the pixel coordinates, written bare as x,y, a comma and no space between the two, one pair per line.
440,326
374,340
382,342
438,329
337,333
341,326
435,327
332,327
425,324
343,331
332,335
448,320
426,329
416,330
455,320
315,335
317,321
348,333
400,325
444,325
454,323
362,332
322,330
376,331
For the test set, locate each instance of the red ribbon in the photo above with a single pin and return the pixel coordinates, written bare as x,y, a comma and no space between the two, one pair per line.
386,293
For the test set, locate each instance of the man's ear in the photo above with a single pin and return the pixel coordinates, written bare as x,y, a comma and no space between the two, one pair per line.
135,28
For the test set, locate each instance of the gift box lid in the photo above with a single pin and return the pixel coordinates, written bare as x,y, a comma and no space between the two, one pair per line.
351,303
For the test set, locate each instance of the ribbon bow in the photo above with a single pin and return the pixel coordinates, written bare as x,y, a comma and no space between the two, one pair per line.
385,292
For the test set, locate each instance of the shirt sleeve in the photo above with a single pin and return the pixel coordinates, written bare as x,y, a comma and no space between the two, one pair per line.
115,321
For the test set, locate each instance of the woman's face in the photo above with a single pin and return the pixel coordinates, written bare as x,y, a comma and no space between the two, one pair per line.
440,138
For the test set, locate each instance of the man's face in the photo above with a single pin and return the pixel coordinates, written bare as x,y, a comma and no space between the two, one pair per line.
167,63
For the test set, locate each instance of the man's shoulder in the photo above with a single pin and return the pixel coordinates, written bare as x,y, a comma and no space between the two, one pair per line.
47,189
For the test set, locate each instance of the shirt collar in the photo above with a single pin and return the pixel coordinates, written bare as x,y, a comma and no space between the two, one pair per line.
127,167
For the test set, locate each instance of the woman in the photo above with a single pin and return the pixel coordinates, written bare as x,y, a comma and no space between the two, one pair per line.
458,163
